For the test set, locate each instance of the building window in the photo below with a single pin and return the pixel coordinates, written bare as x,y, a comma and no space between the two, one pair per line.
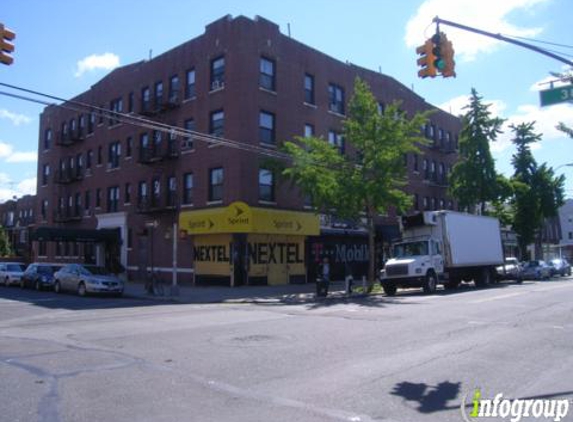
78,204
145,99
142,193
87,200
174,89
91,122
115,106
158,94
156,194
112,199
98,198
217,123
47,138
127,194
267,128
190,84
89,159
42,248
426,203
266,185
337,140
114,154
130,101
171,191
309,89
99,155
45,174
217,73
216,179
336,99
415,156
189,125
128,147
416,202
308,130
44,210
425,169
188,188
267,74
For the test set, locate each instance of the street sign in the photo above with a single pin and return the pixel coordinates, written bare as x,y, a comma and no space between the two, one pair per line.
556,95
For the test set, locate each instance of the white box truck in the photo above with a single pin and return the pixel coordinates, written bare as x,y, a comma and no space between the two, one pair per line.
444,247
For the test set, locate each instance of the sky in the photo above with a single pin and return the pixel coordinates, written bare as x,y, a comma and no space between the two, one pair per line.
64,47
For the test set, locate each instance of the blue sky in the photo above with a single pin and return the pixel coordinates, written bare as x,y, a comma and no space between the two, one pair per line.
64,47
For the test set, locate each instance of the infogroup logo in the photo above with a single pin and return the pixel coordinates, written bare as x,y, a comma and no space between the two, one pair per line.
513,409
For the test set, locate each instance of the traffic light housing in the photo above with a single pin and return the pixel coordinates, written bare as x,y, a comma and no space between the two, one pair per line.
6,46
427,59
447,56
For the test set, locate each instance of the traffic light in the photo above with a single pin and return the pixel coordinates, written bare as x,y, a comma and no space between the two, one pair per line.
447,55
427,60
6,47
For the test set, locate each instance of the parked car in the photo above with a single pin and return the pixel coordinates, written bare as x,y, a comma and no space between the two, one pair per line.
39,275
84,279
11,273
536,270
510,270
560,266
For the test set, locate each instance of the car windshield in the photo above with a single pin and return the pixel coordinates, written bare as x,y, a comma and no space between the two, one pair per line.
402,250
48,269
15,267
94,270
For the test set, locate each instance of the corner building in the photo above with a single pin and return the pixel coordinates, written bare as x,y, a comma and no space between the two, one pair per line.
117,193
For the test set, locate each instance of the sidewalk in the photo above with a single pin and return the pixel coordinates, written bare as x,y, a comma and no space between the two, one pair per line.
288,294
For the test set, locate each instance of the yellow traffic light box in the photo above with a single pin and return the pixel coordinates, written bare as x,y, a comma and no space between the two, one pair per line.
6,46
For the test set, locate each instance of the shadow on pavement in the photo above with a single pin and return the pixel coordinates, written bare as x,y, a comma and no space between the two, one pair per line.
429,398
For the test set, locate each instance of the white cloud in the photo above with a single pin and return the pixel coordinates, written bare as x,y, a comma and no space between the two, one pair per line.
27,187
5,149
16,119
24,187
456,106
489,15
22,157
106,61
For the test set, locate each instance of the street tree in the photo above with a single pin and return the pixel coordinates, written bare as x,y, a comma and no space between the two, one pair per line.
5,248
538,193
364,178
474,181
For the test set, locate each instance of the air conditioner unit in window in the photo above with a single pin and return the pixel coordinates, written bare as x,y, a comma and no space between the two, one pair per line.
187,144
217,85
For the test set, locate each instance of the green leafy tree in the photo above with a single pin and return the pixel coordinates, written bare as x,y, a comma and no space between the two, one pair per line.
538,192
366,180
5,247
473,181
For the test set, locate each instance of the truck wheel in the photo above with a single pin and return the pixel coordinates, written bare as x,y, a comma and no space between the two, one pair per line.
452,284
389,289
483,279
430,284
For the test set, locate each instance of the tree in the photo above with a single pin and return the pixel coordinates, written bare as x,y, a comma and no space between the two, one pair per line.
5,247
538,193
473,181
364,181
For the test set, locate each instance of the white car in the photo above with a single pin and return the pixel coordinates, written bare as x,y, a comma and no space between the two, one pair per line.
11,273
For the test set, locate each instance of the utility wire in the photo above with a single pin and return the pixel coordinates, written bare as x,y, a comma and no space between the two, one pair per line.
138,121
539,41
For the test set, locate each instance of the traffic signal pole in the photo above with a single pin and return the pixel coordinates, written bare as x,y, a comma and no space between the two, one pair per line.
500,37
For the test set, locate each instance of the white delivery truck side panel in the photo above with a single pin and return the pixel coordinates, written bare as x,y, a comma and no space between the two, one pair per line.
472,240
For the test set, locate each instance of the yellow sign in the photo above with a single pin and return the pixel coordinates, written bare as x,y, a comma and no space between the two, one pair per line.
238,217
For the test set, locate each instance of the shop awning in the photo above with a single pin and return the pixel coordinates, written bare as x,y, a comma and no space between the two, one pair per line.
238,217
58,234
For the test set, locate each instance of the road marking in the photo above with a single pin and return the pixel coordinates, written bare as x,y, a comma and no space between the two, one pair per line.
490,299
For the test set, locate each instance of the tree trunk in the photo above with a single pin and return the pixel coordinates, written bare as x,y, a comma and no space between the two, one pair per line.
371,250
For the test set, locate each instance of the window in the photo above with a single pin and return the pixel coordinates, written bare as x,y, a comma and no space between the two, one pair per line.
116,106
266,185
47,138
190,84
42,248
127,193
308,130
337,140
267,74
426,203
189,124
130,101
216,178
217,73
112,198
99,155
174,89
309,89
87,200
128,147
217,123
145,99
158,94
89,159
98,198
416,202
425,169
381,108
142,192
415,156
44,210
156,194
45,174
114,154
336,99
171,191
266,128
91,122
79,165
81,125
188,188
78,204
100,116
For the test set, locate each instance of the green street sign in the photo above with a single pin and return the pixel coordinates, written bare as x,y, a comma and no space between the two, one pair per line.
556,95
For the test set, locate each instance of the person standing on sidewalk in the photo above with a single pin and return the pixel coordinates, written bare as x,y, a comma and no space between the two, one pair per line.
323,279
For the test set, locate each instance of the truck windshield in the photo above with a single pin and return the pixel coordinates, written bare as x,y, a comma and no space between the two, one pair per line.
402,250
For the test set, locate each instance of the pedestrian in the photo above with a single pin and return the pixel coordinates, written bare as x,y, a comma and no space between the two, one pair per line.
325,270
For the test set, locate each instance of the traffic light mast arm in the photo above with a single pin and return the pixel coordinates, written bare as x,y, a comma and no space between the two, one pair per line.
500,37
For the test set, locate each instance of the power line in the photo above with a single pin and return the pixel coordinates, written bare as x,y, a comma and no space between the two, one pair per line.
539,41
138,121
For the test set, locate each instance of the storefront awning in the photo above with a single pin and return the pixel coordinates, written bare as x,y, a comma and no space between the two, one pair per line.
238,217
57,234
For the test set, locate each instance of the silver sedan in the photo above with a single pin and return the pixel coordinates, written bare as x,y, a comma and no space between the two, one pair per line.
84,279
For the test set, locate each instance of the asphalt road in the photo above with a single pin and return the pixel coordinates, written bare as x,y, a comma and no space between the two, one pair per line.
407,358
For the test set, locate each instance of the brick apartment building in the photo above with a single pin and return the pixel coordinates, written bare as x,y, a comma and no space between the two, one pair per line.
16,218
111,192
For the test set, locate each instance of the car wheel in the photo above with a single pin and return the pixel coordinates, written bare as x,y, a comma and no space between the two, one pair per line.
22,284
37,285
82,289
389,289
57,287
7,282
430,284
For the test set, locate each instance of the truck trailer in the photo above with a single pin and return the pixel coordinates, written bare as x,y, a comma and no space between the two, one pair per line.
444,247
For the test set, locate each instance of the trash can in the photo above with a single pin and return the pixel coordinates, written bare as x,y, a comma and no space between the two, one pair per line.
321,287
